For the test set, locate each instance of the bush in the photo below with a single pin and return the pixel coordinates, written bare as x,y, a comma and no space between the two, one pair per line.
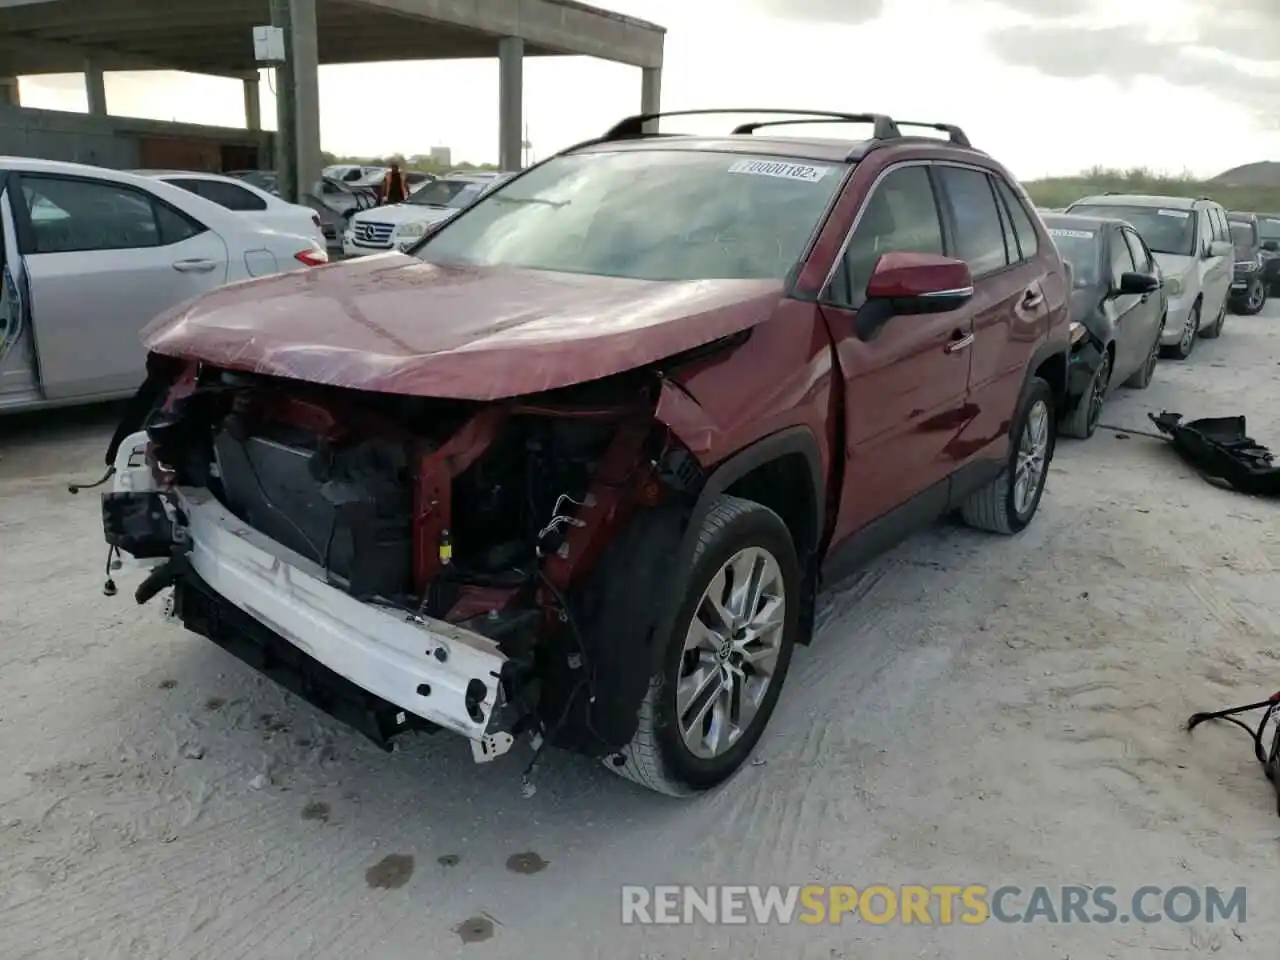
1058,192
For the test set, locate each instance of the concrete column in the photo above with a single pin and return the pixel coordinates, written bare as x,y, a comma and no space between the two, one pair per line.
510,103
306,77
95,86
252,104
651,94
9,95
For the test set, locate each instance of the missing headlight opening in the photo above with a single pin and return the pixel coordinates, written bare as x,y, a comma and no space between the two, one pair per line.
478,525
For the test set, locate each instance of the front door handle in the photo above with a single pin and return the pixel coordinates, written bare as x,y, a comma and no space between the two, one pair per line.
958,344
194,266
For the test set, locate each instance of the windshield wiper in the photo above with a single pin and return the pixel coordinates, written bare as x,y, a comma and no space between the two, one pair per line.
523,201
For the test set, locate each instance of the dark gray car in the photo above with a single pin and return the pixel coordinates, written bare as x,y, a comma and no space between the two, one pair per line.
1248,287
1118,312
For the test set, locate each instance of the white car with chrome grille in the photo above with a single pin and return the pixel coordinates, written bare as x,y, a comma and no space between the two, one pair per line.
398,226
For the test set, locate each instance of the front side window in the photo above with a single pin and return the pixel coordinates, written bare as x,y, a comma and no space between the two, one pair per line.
901,216
1141,259
646,214
979,236
70,215
1165,230
1121,257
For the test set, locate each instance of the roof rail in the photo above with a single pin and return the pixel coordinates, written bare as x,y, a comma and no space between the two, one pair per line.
954,133
885,128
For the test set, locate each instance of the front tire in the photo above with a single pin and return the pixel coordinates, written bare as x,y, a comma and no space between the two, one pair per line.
1084,419
725,662
1182,350
1214,330
1255,299
1007,504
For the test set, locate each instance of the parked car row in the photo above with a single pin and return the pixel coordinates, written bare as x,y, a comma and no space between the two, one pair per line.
88,256
1151,275
399,226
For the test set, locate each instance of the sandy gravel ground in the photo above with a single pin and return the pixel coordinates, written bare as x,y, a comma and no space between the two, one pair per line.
974,710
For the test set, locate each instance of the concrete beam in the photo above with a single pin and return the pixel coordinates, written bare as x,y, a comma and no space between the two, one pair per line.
252,103
510,103
561,26
95,87
22,55
9,94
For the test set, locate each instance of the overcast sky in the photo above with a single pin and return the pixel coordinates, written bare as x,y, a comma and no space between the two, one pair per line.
1047,86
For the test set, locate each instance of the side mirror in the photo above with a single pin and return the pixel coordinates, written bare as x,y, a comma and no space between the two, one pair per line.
905,284
1139,284
1220,248
1271,246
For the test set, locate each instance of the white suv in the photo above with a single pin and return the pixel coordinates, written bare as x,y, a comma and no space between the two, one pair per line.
1191,241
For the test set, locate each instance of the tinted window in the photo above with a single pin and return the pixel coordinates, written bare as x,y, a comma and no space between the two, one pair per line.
900,215
1141,259
443,193
75,215
1165,230
1011,252
1028,239
1121,258
1269,228
647,214
230,195
979,239
1223,231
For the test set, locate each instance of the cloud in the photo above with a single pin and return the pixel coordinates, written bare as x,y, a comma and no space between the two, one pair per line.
831,11
1124,53
1045,9
1245,28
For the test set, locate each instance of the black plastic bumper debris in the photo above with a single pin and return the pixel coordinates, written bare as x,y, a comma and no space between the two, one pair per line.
1222,452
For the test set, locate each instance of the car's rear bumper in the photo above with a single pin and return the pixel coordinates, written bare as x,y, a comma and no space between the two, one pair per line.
428,669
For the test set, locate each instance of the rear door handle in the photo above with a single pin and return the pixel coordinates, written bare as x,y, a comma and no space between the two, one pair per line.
958,344
194,266
1032,298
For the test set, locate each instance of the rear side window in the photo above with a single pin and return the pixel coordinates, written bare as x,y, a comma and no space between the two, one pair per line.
900,216
69,215
229,195
1024,230
979,236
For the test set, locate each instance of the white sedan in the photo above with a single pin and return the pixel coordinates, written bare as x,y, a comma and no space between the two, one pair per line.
400,225
89,256
247,200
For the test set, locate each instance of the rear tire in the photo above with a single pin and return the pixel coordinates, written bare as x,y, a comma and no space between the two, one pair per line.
669,753
1141,378
1006,505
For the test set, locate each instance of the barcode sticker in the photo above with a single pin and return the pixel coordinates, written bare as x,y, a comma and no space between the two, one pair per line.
776,168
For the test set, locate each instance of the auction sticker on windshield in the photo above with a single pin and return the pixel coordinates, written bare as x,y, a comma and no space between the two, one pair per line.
1072,234
1180,214
786,171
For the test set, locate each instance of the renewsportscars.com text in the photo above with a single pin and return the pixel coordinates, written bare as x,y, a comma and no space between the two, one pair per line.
933,905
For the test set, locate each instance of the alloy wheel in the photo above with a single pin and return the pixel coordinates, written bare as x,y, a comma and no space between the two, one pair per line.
730,652
1033,455
1257,294
1098,392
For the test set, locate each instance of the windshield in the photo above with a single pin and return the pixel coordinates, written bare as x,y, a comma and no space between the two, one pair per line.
1080,247
1269,228
1242,233
1164,230
446,193
652,215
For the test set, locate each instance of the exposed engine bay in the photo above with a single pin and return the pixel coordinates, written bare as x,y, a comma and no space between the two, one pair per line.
490,517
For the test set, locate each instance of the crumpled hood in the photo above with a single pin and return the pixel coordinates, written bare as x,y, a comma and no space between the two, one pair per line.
394,324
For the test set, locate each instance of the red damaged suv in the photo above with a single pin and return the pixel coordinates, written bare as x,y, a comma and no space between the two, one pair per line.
574,467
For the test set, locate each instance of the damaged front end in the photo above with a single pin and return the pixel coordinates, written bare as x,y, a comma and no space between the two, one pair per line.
1086,358
406,563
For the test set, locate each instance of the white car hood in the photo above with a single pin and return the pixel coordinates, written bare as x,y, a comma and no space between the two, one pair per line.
399,213
1174,265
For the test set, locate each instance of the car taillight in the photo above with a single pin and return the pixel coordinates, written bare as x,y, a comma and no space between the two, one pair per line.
312,257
